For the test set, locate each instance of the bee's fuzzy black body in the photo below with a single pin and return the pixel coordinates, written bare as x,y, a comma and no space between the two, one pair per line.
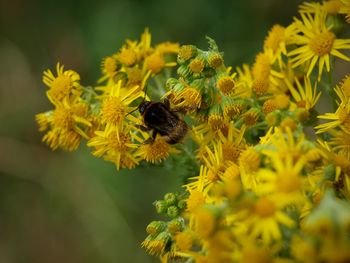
158,116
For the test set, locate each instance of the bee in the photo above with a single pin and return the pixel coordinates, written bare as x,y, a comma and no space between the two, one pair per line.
158,117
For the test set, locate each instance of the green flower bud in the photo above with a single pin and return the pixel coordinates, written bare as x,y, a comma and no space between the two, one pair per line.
161,206
170,198
172,211
175,225
155,227
187,52
182,204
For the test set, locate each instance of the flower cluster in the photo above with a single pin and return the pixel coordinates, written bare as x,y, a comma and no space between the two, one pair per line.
273,177
101,114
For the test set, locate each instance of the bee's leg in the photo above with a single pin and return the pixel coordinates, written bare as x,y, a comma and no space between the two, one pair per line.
142,128
151,139
166,103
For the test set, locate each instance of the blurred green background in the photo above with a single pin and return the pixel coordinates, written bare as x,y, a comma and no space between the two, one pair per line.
72,207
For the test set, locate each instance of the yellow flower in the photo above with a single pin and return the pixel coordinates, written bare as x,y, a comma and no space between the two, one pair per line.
158,245
66,83
127,56
184,240
66,125
285,182
195,200
156,151
317,43
109,68
186,52
305,95
339,119
189,98
232,143
114,144
225,84
115,104
277,40
197,65
345,9
265,220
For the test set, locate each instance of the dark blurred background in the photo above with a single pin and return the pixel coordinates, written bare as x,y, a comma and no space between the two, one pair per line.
72,207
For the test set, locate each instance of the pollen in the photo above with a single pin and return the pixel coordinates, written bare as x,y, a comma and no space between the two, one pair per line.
215,60
250,159
288,182
109,65
265,207
274,38
322,43
230,151
127,56
61,87
113,110
260,86
269,106
156,151
225,84
197,65
155,63
186,52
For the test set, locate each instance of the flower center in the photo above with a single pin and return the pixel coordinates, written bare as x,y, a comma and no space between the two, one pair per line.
196,65
260,86
230,152
269,106
62,118
216,121
156,151
155,63
109,65
226,85
265,207
127,56
117,141
113,110
61,86
322,43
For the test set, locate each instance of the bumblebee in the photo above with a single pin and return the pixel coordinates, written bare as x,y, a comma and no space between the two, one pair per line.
158,117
